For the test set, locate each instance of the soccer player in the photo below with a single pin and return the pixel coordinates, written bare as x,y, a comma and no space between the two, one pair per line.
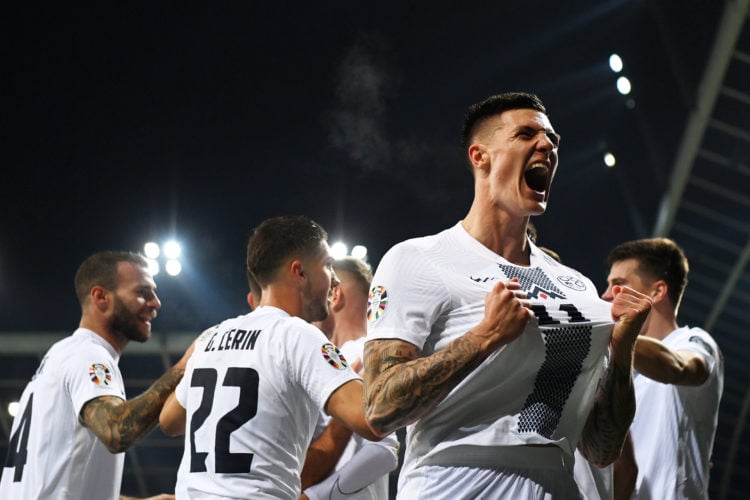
256,383
74,424
679,379
363,466
491,351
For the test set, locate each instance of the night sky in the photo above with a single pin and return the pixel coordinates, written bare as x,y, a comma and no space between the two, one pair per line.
124,122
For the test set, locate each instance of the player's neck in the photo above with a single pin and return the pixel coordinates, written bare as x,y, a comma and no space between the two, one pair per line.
660,323
348,330
503,234
118,342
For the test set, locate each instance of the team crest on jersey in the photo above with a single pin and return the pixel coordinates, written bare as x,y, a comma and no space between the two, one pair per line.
100,374
334,357
376,302
572,282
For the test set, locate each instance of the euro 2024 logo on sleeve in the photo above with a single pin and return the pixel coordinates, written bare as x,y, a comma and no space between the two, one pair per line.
334,357
100,374
376,302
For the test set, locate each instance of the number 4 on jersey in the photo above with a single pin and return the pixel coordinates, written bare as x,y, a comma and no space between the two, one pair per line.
17,448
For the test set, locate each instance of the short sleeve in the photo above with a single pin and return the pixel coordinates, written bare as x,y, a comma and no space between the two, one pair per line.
698,341
91,373
406,298
315,363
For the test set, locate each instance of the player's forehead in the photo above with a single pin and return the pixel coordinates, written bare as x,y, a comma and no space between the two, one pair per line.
517,118
623,270
132,276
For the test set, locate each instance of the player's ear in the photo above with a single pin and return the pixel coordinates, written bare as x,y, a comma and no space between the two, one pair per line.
338,298
659,291
99,297
478,156
296,268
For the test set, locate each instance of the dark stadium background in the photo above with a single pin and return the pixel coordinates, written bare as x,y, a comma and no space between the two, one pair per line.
124,122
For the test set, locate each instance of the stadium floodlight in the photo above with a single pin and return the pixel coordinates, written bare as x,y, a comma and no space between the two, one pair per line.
151,250
153,266
615,63
609,160
623,85
173,267
339,250
172,249
359,252
13,407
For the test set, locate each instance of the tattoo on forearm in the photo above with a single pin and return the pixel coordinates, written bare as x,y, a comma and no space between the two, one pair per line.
610,418
402,387
118,423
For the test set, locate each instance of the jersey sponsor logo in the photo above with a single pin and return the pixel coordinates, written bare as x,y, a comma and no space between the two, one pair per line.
376,302
333,356
572,282
100,374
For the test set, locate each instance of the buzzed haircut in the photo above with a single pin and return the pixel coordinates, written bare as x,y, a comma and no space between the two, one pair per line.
101,269
358,269
478,113
279,239
658,259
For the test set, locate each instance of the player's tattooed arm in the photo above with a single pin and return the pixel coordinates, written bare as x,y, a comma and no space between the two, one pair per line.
119,423
401,387
614,404
609,420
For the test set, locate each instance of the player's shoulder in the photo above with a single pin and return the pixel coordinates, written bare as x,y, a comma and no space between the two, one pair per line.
697,335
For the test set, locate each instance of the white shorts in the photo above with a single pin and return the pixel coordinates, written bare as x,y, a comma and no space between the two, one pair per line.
546,479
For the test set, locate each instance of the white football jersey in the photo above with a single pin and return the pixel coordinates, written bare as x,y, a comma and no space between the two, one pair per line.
51,455
674,426
537,390
252,392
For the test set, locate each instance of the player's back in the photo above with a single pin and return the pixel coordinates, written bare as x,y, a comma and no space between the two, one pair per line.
252,393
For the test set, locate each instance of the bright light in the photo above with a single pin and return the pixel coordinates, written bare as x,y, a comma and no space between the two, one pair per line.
172,249
623,85
173,267
339,250
609,160
151,250
13,408
153,267
359,252
615,63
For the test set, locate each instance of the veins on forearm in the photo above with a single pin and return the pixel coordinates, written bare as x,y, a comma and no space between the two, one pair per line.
119,424
401,387
610,418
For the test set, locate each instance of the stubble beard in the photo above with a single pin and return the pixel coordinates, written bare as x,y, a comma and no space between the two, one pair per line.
127,323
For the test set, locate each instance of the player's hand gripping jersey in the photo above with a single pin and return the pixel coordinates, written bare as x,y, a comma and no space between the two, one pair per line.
536,390
252,391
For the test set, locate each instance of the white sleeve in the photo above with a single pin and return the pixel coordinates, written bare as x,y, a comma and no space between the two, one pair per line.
92,373
370,463
315,363
406,298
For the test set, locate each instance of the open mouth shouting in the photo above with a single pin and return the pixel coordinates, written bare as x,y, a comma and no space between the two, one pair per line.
536,177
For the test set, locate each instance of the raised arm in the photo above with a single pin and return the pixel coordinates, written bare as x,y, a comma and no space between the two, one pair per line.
658,362
401,386
119,423
614,405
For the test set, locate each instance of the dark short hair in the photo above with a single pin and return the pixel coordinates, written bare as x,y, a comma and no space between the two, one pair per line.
101,269
478,113
658,259
358,269
279,239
